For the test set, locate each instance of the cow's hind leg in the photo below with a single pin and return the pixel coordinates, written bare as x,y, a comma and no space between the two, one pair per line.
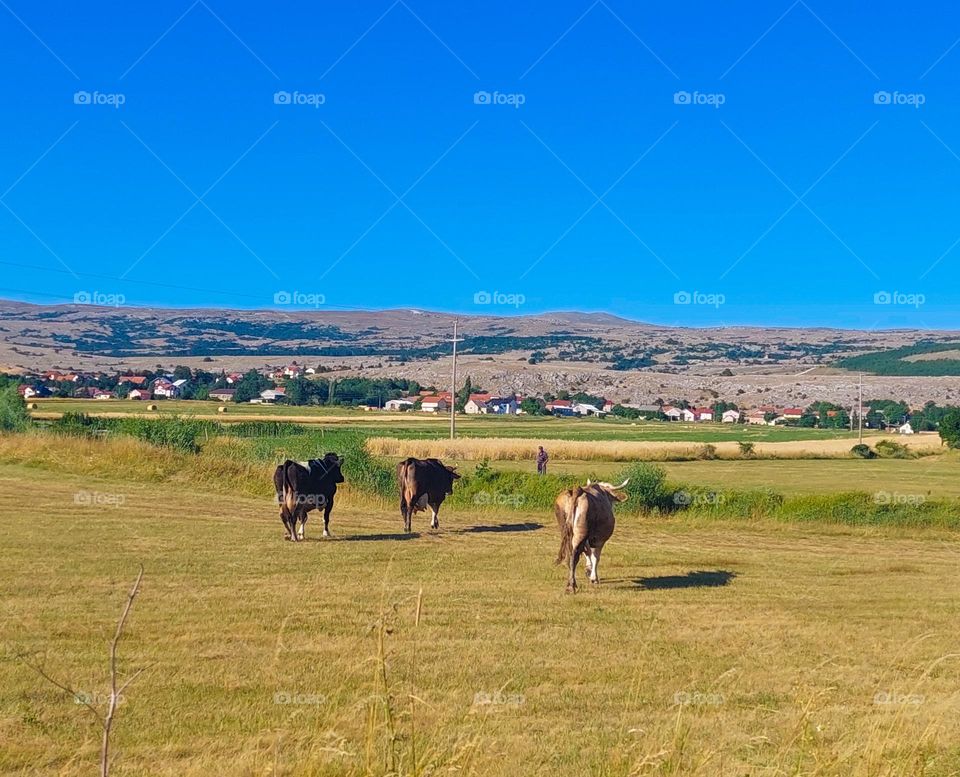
327,507
574,560
303,525
434,520
595,563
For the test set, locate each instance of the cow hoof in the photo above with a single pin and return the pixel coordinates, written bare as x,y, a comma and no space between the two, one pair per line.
571,589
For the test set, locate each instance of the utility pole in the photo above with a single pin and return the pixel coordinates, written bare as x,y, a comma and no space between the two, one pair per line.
453,387
860,411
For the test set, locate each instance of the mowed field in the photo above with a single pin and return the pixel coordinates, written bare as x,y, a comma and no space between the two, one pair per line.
437,426
709,649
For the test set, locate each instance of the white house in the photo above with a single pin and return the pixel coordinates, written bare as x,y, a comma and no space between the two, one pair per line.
906,428
164,388
268,396
503,405
397,404
222,395
702,414
583,408
434,405
477,403
730,417
672,413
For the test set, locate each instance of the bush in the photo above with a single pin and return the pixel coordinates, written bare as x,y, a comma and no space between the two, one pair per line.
863,451
646,489
707,452
746,449
893,450
13,411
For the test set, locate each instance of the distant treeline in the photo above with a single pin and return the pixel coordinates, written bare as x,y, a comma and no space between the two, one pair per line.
894,361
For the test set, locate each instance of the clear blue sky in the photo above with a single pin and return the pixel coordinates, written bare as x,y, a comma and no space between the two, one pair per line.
795,201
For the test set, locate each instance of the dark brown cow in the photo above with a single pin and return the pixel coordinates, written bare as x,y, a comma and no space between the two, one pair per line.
303,486
423,482
586,521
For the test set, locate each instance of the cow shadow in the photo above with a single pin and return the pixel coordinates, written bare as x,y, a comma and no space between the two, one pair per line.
699,579
383,537
501,527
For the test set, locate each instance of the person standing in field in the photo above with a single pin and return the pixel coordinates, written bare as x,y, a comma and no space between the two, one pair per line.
542,459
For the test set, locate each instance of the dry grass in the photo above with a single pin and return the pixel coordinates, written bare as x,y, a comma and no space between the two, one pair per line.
516,449
783,639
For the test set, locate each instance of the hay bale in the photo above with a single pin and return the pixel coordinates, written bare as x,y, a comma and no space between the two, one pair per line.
152,407
32,406
222,409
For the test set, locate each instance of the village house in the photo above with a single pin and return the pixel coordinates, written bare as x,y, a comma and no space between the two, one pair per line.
560,407
271,396
477,403
165,388
398,404
29,392
584,408
434,404
730,417
608,405
103,394
758,416
140,393
702,414
133,380
234,377
792,413
222,394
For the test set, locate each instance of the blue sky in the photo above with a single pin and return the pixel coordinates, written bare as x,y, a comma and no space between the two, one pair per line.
787,163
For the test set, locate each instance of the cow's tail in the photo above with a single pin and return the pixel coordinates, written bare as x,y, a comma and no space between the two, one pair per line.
402,481
289,496
565,509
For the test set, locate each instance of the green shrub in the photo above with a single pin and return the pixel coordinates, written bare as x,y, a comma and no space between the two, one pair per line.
14,416
746,449
646,489
863,451
707,452
890,449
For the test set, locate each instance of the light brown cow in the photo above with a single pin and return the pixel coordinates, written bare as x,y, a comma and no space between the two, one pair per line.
586,521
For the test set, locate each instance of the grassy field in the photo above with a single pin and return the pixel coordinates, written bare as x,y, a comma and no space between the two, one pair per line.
710,649
931,477
425,425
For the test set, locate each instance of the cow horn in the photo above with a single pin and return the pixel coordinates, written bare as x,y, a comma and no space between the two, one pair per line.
622,485
589,481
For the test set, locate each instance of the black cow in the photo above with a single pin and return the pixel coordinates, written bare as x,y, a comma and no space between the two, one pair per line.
303,486
423,482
